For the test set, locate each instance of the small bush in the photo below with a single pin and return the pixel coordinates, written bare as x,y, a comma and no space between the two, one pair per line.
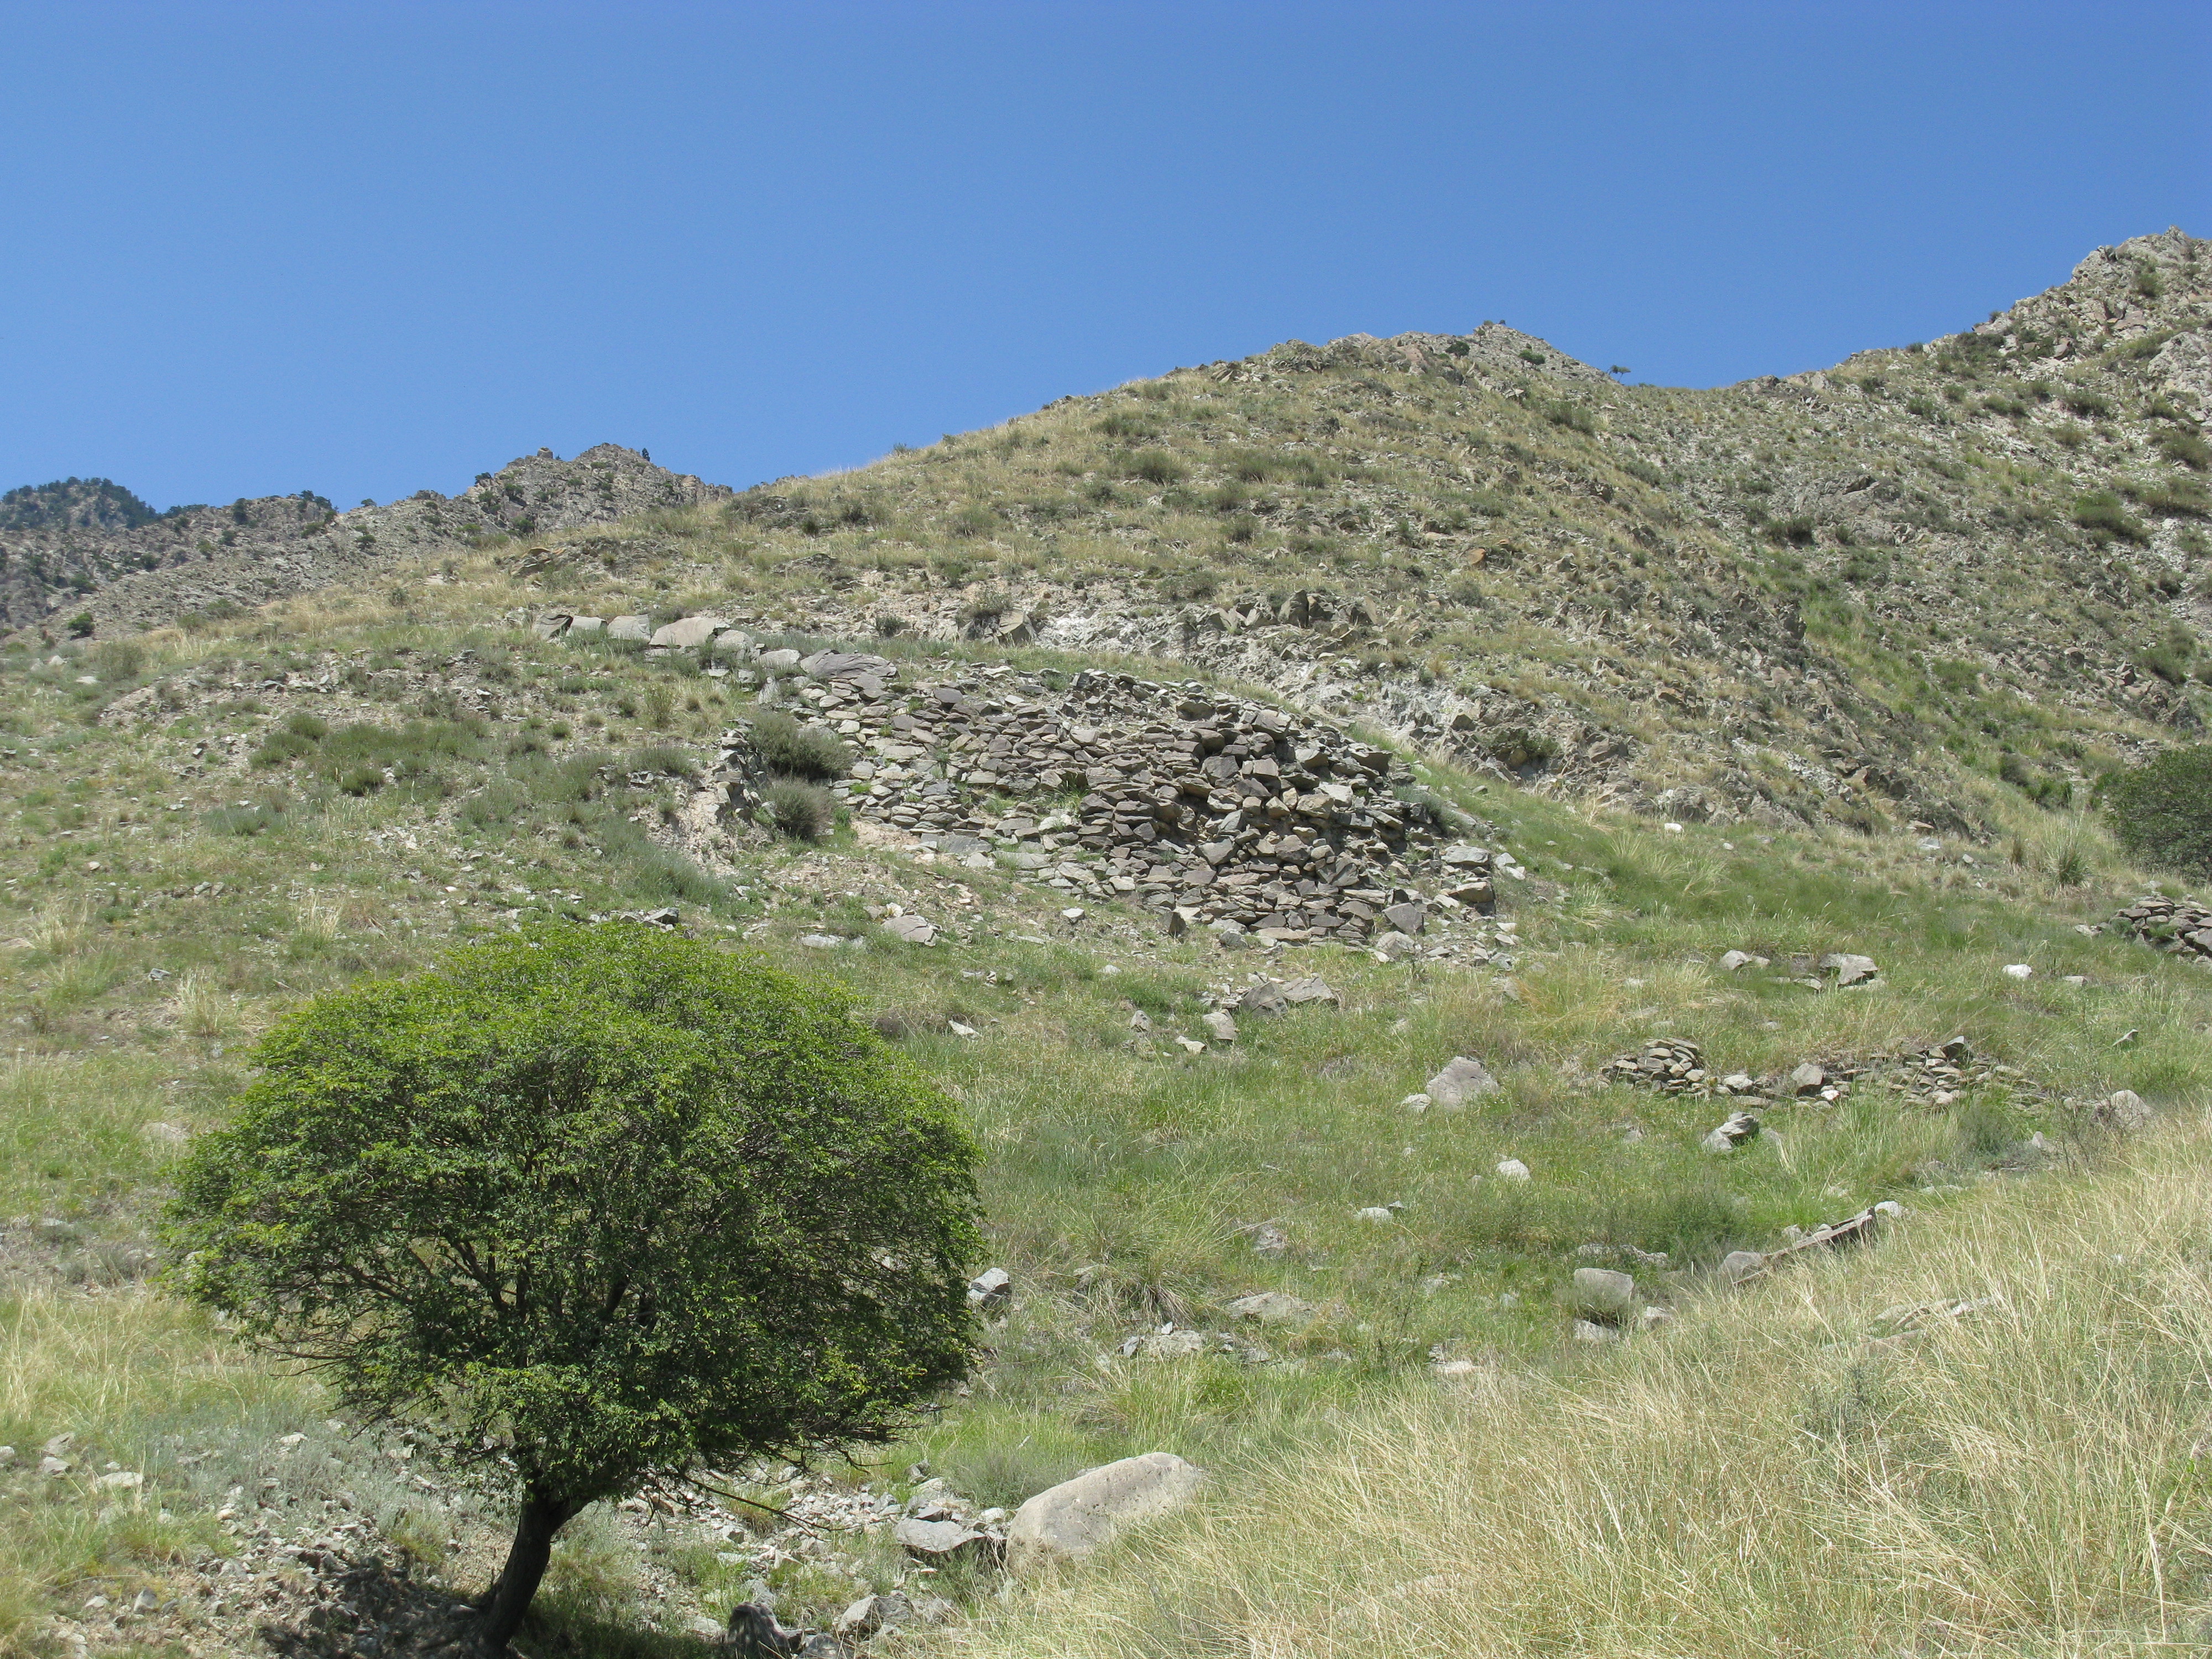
304,725
1573,416
2185,449
1792,532
2100,513
797,752
1157,466
665,759
2157,809
2179,498
801,811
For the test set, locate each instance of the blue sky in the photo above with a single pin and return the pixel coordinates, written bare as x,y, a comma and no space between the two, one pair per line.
250,249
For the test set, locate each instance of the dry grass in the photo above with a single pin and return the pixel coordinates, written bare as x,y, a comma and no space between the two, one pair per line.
2026,1480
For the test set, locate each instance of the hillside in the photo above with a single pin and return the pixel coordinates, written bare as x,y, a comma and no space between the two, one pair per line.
1346,923
1869,595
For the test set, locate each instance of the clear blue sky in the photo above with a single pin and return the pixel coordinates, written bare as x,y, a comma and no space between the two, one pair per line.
364,249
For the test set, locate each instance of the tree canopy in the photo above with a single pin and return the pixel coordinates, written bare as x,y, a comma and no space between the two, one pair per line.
590,1207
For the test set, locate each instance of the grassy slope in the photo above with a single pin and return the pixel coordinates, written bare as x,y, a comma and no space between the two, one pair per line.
1142,1170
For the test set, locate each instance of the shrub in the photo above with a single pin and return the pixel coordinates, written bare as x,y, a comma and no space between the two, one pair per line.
665,759
2157,809
1157,466
2185,449
1573,416
2176,499
304,725
587,1209
800,751
2100,513
801,811
1792,532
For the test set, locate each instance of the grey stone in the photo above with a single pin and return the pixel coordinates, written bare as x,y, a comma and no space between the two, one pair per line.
783,661
630,628
993,1288
848,665
2124,1111
1737,1265
911,928
871,1614
1406,917
1733,960
1603,1293
1220,1026
937,1539
1512,1169
586,625
1729,1136
1374,1212
1461,1081
1589,1330
689,634
1849,969
1394,946
1807,1079
552,625
1271,1308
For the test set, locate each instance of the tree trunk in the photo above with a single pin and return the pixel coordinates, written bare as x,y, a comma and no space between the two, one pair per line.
504,1604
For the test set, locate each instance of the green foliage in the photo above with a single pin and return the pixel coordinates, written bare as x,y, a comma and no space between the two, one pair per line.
2158,809
801,811
2100,513
1158,467
80,625
1571,415
2185,449
799,751
590,1207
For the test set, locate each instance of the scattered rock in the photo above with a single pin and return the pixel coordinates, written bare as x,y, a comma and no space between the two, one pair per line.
1807,1079
939,1540
992,1289
1395,946
911,928
1375,1212
1603,1294
1849,969
1674,1065
1513,1169
1461,1081
1220,1026
1736,961
2019,970
1273,1307
1739,1265
1739,1128
1076,1517
2124,1111
871,1614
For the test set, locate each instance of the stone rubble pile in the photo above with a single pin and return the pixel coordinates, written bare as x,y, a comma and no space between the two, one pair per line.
1212,812
2181,926
1672,1066
1934,1074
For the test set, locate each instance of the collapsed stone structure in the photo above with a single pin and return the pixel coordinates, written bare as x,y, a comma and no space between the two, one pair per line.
2181,927
1205,808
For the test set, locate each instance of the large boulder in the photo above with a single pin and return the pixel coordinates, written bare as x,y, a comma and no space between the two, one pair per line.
1070,1521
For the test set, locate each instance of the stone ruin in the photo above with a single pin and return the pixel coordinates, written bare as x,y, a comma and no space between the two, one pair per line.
1207,809
2181,926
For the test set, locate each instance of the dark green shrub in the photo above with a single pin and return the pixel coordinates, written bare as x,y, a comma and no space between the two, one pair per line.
801,811
281,748
304,725
1530,354
1573,416
2178,498
630,1206
1157,466
2158,809
1791,532
663,758
798,751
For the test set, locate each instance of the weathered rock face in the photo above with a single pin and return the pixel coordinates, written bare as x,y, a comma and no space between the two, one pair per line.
1075,1518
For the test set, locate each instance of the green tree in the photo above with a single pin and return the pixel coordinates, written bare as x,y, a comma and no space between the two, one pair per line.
591,1208
2162,810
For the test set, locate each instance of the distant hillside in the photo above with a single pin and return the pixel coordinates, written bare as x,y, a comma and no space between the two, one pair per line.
1827,597
87,545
